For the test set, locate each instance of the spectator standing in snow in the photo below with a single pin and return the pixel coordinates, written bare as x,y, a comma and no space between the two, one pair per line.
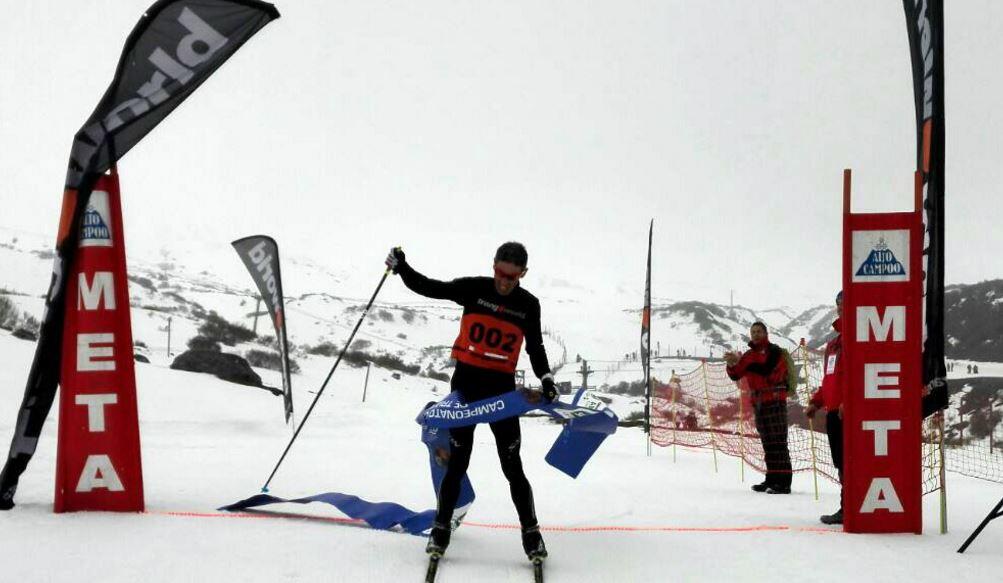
829,396
691,421
765,370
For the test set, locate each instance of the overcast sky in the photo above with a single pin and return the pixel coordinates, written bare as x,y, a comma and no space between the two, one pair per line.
448,127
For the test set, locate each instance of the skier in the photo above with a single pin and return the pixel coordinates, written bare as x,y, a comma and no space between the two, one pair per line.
830,397
765,370
498,314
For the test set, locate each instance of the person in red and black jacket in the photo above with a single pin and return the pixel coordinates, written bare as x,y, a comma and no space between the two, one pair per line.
498,317
765,370
829,396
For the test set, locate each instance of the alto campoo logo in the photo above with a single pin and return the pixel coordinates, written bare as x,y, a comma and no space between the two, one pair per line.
95,226
881,256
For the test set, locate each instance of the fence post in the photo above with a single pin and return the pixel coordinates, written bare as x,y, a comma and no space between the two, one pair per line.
674,382
803,357
943,476
992,426
741,431
814,462
365,386
710,418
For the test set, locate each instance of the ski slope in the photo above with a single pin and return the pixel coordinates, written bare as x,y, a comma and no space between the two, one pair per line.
628,517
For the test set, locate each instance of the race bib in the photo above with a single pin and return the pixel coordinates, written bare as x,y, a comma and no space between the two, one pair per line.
488,342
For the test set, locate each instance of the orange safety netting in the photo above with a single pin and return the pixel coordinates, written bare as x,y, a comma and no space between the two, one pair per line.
705,409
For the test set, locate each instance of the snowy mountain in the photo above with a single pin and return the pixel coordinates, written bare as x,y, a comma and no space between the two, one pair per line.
814,325
187,281
974,321
177,286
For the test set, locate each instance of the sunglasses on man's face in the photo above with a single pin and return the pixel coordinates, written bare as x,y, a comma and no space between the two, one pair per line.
506,275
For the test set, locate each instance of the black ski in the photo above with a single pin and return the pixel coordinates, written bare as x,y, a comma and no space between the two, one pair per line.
433,567
537,569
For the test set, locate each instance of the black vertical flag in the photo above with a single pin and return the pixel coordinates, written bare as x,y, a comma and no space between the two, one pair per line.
260,254
925,23
173,49
646,340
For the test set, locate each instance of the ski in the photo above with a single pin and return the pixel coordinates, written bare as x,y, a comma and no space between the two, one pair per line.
433,567
537,569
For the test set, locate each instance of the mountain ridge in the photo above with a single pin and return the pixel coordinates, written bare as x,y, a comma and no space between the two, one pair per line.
323,304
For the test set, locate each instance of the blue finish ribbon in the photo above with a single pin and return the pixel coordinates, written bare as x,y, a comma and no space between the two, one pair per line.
582,435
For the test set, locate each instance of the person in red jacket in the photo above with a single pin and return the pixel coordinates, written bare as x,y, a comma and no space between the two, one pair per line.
829,396
765,370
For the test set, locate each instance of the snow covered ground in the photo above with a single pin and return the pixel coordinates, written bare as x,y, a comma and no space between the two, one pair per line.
628,517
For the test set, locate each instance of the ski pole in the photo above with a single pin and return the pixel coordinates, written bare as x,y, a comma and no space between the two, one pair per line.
324,386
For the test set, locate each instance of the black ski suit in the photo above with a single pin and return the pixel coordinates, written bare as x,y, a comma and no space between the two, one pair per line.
492,330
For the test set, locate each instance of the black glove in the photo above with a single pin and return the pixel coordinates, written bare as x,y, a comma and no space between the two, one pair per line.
549,390
395,259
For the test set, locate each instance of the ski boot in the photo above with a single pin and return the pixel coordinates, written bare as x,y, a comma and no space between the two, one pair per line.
532,543
834,518
438,540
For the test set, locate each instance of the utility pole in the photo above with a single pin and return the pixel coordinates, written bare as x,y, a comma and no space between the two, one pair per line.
365,387
257,310
585,372
168,337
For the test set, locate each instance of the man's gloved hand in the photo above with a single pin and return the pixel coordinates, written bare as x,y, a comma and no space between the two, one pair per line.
395,259
549,389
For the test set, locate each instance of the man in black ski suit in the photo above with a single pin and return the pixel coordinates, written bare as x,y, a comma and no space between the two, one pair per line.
498,315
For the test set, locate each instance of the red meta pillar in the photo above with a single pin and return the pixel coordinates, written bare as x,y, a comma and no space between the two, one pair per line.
98,464
882,347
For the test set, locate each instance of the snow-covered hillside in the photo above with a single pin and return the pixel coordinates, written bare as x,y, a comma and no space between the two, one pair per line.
187,280
628,517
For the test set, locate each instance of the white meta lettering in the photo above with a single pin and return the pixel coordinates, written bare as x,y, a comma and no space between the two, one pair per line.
881,496
881,429
95,409
873,381
99,473
90,296
869,321
89,348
